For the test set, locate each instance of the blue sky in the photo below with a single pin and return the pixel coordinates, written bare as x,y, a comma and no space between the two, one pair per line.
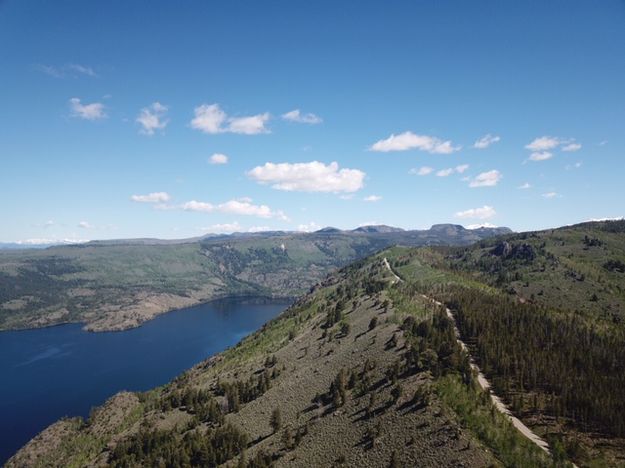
320,113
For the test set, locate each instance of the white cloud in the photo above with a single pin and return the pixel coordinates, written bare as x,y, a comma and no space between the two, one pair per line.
245,207
550,195
461,168
486,179
93,111
485,212
445,172
372,198
486,141
152,118
296,116
481,225
408,140
237,207
85,225
616,218
219,158
570,167
50,241
194,205
209,118
225,228
308,227
543,143
524,186
541,156
313,176
251,125
82,69
572,147
259,229
422,171
154,197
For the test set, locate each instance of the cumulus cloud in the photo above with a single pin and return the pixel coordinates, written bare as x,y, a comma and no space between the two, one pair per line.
152,118
225,228
258,229
251,125
313,176
308,227
37,241
408,140
372,198
194,205
243,206
422,171
93,111
486,179
485,212
296,116
572,147
570,167
524,186
540,156
154,197
550,195
486,141
480,225
543,143
85,225
614,218
461,168
445,172
211,119
219,158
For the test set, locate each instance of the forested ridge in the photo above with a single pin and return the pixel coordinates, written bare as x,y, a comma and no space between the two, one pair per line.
543,315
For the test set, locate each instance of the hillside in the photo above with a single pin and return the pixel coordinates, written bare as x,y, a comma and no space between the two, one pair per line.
542,313
358,372
366,369
114,285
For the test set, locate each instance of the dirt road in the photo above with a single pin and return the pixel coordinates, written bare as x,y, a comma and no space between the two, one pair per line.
481,378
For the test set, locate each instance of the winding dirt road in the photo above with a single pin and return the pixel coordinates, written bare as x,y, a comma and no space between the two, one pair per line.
481,378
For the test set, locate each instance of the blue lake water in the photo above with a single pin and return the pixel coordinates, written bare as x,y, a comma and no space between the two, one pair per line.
61,371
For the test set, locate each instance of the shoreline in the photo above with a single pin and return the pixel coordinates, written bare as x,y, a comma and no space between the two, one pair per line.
85,325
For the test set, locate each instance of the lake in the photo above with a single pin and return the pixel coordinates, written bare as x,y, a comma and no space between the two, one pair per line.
49,373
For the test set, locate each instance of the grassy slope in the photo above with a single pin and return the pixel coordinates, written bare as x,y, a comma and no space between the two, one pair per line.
568,274
456,424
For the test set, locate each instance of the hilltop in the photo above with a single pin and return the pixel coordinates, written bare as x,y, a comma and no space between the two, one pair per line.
119,284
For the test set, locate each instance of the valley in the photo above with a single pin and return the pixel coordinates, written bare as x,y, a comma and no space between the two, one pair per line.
366,369
117,285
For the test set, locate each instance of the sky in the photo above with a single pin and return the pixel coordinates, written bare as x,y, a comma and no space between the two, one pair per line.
175,119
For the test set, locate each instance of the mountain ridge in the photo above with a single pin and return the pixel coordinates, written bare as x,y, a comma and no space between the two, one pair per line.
115,285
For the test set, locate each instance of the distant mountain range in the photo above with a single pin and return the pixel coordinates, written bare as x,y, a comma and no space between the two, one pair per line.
449,229
118,284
